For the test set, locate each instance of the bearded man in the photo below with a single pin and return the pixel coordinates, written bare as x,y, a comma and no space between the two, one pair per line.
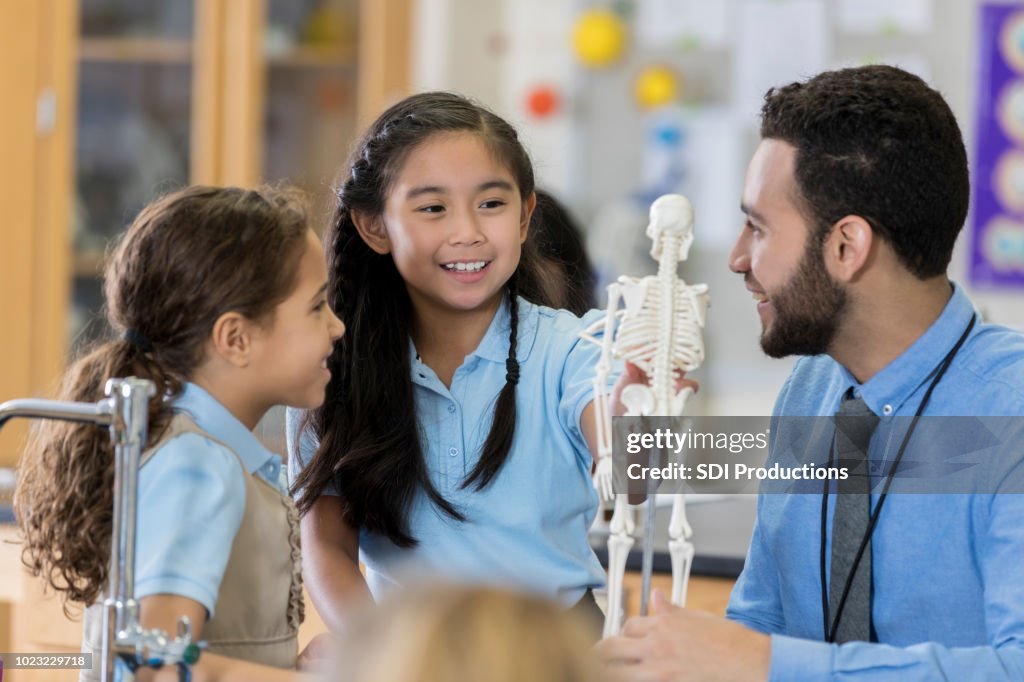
853,202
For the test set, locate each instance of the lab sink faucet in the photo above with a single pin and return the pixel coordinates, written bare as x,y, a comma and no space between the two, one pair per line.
125,411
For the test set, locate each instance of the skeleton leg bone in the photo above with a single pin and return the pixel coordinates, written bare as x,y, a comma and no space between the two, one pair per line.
619,543
680,549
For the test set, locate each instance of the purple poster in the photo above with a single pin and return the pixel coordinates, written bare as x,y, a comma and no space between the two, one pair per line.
997,234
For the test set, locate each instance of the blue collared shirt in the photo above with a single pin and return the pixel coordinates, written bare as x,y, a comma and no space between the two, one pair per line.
948,592
528,528
192,499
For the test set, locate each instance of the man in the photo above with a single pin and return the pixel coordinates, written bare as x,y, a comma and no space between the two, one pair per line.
854,199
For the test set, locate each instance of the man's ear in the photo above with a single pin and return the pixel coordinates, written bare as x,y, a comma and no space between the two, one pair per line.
371,229
848,247
232,338
524,219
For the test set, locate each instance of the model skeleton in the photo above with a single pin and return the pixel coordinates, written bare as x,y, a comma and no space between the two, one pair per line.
659,331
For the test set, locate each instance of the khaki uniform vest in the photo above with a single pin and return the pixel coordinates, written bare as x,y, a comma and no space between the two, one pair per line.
259,606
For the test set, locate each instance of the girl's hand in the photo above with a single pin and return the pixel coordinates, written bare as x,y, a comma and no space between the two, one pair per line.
632,382
634,376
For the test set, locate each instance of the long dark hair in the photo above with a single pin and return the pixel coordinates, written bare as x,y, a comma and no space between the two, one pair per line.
571,278
367,426
188,258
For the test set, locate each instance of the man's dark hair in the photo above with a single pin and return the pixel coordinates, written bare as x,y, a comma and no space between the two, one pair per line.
876,142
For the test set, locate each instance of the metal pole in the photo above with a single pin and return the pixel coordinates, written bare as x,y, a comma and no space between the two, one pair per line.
647,567
132,397
113,605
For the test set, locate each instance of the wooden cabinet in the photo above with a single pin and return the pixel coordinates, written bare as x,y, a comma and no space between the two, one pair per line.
108,103
36,129
112,102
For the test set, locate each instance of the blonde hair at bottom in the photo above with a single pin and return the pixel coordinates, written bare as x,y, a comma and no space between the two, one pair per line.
446,633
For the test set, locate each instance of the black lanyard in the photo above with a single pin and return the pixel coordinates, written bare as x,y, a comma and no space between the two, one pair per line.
830,632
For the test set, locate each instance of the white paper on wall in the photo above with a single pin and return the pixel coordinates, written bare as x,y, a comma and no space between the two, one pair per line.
682,23
538,54
431,45
777,42
884,16
713,169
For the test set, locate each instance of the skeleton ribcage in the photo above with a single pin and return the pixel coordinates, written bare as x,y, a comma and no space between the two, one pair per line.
638,332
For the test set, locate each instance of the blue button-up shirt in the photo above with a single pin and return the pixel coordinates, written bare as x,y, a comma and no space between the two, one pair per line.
528,528
948,587
192,499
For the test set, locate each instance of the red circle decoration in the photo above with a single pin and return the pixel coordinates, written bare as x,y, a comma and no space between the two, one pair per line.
542,101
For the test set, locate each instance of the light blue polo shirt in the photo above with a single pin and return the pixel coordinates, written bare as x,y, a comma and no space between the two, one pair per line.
528,529
192,499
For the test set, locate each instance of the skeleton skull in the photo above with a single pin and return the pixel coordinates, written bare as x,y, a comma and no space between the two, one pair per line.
671,212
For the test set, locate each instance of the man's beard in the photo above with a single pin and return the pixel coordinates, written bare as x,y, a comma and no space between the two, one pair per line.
808,309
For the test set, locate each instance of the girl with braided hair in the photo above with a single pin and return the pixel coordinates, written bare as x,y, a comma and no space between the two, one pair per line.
455,439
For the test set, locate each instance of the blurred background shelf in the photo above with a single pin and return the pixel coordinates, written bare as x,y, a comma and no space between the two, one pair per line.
342,56
134,50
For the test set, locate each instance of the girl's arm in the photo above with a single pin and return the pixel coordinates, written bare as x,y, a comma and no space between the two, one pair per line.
588,418
163,610
330,562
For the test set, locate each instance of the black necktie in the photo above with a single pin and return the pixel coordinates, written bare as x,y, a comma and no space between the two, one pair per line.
854,426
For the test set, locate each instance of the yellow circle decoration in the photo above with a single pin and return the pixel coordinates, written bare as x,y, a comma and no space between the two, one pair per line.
599,38
656,86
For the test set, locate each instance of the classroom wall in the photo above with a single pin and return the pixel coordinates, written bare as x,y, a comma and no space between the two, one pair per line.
594,150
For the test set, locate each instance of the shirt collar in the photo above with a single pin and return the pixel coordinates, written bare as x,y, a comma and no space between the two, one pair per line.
494,345
887,391
217,420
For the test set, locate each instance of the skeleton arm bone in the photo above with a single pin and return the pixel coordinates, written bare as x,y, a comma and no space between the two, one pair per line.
597,425
698,294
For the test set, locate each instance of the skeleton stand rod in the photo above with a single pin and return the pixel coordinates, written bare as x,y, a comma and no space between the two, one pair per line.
647,567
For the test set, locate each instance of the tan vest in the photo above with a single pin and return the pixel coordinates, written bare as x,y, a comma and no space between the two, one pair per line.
259,606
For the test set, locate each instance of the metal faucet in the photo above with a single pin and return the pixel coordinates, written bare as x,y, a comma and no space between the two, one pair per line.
125,410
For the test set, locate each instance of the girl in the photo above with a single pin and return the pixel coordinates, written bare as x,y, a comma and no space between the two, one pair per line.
218,295
454,437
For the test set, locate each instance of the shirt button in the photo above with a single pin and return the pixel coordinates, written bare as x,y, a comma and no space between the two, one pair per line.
453,451
887,409
451,408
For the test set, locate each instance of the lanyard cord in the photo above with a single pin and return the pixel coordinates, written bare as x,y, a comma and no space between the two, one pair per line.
830,632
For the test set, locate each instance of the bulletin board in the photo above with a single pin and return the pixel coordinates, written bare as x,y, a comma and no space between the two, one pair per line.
997,229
